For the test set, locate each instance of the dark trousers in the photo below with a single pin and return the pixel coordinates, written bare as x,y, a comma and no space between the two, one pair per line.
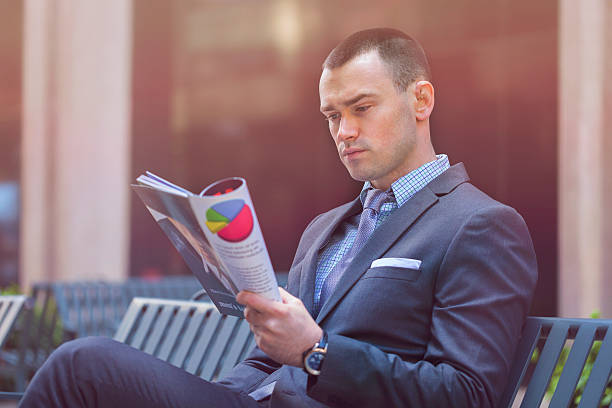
100,372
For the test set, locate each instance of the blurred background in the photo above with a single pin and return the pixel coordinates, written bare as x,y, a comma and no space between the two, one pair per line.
92,93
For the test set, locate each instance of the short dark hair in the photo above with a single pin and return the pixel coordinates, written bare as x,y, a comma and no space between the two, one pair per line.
403,54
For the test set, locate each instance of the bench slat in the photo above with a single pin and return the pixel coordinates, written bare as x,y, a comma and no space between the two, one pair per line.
218,347
232,355
546,364
145,324
573,366
176,328
186,343
600,374
203,342
159,329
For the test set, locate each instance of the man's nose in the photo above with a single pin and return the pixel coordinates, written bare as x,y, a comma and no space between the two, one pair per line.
348,128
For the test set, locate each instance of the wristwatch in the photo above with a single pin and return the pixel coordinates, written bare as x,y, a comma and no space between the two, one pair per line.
314,357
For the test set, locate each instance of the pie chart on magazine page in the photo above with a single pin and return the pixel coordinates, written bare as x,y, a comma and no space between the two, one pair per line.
231,220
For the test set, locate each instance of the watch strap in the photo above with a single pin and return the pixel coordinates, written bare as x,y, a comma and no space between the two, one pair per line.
323,342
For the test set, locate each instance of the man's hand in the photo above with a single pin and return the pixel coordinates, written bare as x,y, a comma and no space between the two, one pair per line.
283,330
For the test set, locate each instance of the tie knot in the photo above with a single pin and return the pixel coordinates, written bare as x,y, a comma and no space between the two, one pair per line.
374,199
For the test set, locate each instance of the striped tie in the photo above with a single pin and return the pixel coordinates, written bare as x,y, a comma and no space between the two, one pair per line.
367,223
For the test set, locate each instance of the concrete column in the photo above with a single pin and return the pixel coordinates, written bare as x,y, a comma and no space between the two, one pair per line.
585,158
76,140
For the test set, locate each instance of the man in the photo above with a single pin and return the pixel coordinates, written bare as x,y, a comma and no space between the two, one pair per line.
413,294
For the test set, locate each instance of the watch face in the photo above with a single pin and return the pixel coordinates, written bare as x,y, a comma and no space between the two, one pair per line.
314,360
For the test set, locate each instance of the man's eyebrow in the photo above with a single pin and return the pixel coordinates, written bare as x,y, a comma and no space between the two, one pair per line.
348,102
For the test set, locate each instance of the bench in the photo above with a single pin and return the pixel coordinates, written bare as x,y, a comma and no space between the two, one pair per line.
96,308
196,337
550,335
60,311
191,335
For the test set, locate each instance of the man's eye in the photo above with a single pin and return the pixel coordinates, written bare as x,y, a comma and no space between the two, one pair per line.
333,117
362,108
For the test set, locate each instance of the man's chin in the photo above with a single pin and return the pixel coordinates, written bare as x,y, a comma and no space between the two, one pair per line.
359,176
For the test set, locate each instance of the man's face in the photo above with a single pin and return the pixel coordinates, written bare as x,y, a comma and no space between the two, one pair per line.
372,124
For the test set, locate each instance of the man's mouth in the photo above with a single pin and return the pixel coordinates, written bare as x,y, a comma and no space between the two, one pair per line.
351,152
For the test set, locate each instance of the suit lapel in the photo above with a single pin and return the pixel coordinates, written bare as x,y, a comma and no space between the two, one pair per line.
309,264
379,242
393,227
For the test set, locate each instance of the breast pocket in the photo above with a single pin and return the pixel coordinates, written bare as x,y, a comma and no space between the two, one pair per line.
392,272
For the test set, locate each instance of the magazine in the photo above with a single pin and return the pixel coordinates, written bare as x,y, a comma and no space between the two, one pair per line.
217,234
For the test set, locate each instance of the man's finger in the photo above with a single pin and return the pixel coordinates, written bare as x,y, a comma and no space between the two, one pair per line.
257,302
287,297
250,314
242,296
250,299
254,317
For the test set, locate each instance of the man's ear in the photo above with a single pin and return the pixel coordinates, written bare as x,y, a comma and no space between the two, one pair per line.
424,96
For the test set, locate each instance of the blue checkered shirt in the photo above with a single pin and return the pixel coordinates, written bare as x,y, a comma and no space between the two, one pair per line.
402,190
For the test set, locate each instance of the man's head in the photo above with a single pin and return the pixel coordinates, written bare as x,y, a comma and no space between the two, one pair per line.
375,93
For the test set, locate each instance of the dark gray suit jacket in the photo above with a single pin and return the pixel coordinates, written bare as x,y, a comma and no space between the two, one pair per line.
438,336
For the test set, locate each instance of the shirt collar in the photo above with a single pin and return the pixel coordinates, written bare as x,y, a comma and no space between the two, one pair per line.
408,185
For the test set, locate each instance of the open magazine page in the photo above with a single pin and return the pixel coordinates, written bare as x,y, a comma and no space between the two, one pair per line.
175,217
218,236
226,215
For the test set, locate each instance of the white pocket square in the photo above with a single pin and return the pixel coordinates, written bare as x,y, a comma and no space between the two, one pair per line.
397,263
